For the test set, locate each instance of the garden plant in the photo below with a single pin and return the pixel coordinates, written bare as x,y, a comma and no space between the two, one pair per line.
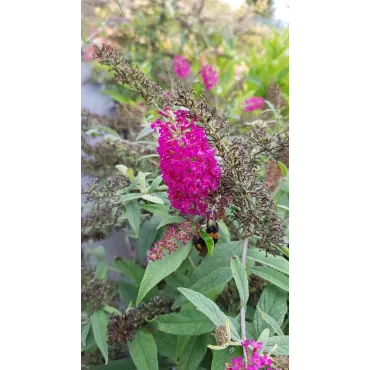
193,169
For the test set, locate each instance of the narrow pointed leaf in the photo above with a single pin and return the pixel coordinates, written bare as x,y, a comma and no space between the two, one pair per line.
143,350
99,323
156,271
210,309
241,280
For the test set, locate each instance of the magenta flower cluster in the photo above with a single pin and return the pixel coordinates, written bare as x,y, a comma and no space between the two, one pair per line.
209,77
182,70
187,161
181,66
255,360
181,232
253,103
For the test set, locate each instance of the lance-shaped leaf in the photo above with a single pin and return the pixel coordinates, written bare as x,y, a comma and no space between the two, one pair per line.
210,309
171,220
189,322
143,350
271,321
158,270
99,323
208,240
241,280
133,216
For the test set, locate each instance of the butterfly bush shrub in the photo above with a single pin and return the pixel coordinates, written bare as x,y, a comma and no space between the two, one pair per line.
201,199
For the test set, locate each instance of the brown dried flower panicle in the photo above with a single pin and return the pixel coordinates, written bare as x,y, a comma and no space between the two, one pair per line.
122,328
95,293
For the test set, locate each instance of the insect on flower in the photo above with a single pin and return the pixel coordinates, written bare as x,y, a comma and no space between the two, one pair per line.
199,242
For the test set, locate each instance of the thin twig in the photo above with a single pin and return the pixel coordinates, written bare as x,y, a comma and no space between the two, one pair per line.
192,263
242,309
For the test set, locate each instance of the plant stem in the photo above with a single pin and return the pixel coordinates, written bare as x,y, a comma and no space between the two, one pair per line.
242,309
192,263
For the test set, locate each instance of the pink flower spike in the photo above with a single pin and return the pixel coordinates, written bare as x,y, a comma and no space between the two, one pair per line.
209,77
253,103
266,360
188,165
246,343
181,66
237,362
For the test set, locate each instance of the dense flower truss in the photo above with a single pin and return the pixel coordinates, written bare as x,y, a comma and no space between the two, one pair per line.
181,232
209,77
253,103
181,66
255,360
187,161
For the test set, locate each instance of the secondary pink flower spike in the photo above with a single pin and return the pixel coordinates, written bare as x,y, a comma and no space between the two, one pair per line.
209,77
253,103
181,66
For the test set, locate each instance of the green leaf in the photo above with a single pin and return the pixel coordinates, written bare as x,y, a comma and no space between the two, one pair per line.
162,187
241,280
148,234
208,240
283,168
85,333
272,322
155,183
177,279
133,216
116,365
141,179
166,344
282,343
285,250
209,308
111,309
224,231
148,156
153,199
99,323
193,353
276,262
144,132
189,322
130,174
143,350
121,168
224,356
206,283
273,301
273,276
181,342
215,291
129,197
235,322
90,341
156,271
264,337
127,364
164,197
156,208
107,129
127,291
171,220
220,258
130,268
282,207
